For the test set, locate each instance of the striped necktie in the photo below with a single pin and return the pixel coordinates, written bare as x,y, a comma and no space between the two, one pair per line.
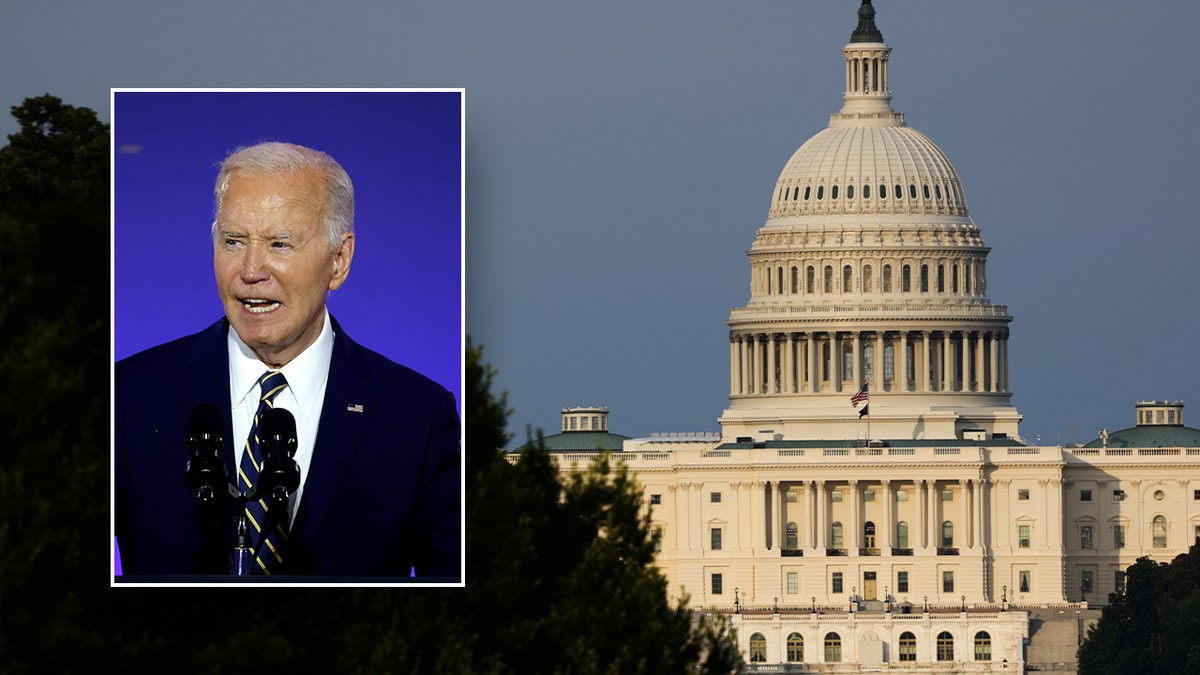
270,384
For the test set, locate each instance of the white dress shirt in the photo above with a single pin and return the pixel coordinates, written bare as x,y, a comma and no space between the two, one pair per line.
306,375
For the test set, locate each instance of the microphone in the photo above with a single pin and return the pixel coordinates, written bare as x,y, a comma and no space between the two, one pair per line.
206,476
280,475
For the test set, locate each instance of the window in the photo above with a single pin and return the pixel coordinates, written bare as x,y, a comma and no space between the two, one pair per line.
758,648
867,278
983,646
868,356
1085,581
1159,531
847,280
947,534
869,535
901,495
810,280
838,538
714,497
947,495
1024,580
866,192
906,279
1023,536
941,279
868,495
828,278
925,191
835,496
947,582
833,192
795,648
655,499
657,538
908,646
924,278
1118,536
1118,495
849,192
716,539
1085,536
887,283
793,536
793,582
901,582
1119,581
912,191
820,192
1159,495
1023,495
717,583
792,497
833,648
945,646
902,534
807,192
795,279
889,364
837,582
1196,495
899,191
1085,495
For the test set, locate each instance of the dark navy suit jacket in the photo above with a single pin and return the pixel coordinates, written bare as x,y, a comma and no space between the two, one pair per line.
382,494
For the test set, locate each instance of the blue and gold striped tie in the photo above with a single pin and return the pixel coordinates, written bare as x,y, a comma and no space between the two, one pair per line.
270,384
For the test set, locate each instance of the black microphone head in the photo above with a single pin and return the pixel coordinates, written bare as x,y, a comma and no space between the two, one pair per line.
206,427
277,433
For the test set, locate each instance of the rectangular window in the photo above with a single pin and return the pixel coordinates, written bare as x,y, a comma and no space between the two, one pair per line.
1023,495
1085,495
718,583
1118,536
1085,581
792,497
947,582
837,582
1024,577
655,499
1118,495
1085,536
947,495
901,495
714,497
1119,581
1196,495
793,582
1023,536
901,582
869,496
716,539
835,496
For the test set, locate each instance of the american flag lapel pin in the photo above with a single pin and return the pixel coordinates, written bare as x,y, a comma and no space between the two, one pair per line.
354,407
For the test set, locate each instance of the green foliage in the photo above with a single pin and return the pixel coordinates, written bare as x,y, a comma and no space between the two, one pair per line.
1154,627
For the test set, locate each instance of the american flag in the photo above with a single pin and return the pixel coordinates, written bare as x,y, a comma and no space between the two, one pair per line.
859,396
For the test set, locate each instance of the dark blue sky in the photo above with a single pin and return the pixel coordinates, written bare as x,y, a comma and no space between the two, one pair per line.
621,156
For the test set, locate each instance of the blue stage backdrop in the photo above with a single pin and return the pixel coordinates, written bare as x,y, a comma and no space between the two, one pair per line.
404,152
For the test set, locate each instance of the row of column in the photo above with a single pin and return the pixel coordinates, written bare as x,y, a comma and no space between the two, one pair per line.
925,531
835,361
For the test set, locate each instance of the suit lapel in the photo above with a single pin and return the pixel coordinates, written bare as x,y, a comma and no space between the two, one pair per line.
207,359
343,423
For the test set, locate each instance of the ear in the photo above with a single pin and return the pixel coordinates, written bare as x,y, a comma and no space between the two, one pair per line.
341,261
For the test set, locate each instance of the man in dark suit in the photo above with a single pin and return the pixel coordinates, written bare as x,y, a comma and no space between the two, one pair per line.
378,442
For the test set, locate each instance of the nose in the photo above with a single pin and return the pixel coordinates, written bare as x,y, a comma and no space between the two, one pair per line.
254,264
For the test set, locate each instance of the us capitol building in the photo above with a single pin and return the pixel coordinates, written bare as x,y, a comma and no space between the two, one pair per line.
869,504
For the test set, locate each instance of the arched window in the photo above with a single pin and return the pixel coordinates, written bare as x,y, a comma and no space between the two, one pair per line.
908,646
868,362
945,646
810,280
954,278
866,192
882,191
941,272
899,191
793,537
924,278
902,534
937,191
758,648
868,279
912,191
769,291
847,279
780,286
837,539
829,278
795,279
869,534
847,361
887,279
906,279
833,192
983,646
1159,530
947,534
827,361
889,363
807,192
849,192
833,648
925,189
820,192
795,648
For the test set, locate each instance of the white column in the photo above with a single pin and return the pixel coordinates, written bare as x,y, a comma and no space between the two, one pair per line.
884,534
994,357
901,377
856,370
979,370
743,365
835,353
771,386
1004,362
777,525
755,368
789,364
854,533
822,528
758,516
977,501
925,363
733,366
964,485
814,376
947,361
879,347
966,362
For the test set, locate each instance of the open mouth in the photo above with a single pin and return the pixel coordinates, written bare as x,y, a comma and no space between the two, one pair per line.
259,306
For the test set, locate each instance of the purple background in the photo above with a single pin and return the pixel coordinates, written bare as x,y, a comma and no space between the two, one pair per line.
403,150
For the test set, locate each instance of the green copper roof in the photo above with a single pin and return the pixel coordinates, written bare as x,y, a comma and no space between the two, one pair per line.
1152,436
583,441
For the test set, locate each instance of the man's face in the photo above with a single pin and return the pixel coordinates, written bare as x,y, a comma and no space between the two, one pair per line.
273,263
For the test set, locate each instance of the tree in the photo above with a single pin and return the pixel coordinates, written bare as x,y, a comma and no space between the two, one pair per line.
1154,626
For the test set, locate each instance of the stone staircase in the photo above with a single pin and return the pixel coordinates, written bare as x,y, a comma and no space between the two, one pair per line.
1054,636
